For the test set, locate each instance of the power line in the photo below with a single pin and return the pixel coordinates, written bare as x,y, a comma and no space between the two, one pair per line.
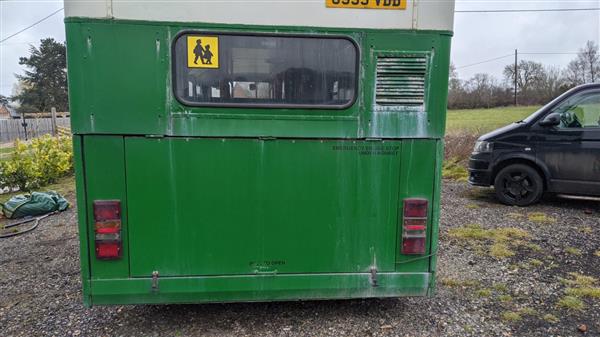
544,53
520,53
32,25
485,61
529,10
18,43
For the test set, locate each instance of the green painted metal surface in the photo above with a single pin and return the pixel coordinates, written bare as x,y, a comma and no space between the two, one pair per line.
238,204
417,178
259,206
121,71
104,162
82,218
258,288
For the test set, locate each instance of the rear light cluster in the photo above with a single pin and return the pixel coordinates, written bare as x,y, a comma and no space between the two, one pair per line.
107,218
414,227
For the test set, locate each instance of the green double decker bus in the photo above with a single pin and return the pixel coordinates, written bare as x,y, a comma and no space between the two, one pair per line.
257,151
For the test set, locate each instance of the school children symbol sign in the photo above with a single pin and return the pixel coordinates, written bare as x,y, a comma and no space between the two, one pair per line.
203,52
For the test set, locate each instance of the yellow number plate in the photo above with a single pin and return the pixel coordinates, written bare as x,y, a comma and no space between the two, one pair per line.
372,4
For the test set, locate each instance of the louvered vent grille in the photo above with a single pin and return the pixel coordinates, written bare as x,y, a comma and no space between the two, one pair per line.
401,80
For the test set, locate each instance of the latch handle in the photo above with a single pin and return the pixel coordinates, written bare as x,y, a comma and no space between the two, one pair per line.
155,281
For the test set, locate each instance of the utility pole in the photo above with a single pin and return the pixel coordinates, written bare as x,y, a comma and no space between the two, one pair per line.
24,124
53,116
516,75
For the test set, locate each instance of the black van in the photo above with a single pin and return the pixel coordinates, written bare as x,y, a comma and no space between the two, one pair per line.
556,149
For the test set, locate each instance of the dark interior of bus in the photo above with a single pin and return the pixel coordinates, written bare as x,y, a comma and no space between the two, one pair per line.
268,70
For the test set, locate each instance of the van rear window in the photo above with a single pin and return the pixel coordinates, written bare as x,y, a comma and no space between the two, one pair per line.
279,71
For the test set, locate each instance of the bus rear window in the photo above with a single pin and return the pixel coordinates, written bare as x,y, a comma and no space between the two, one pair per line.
265,71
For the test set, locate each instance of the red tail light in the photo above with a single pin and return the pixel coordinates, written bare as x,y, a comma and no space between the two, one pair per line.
107,210
107,250
414,226
107,218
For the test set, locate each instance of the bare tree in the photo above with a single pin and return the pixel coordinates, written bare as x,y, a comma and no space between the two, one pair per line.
551,85
575,72
481,87
589,59
536,84
529,75
453,82
455,88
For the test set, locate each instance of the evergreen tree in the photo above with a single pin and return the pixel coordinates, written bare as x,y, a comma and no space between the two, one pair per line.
45,81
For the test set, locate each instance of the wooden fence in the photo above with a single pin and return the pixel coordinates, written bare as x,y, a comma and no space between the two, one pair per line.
11,129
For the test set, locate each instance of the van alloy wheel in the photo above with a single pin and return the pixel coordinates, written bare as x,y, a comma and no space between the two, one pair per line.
519,185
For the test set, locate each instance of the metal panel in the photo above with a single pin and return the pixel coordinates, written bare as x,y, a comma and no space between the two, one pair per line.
417,180
249,206
419,14
429,14
82,216
271,287
141,101
104,162
117,79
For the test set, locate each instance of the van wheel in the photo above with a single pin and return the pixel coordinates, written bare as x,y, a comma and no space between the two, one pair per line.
518,185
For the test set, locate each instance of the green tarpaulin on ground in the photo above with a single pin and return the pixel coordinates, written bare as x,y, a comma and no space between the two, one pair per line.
36,203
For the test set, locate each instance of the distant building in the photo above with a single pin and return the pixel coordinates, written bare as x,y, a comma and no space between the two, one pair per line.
7,112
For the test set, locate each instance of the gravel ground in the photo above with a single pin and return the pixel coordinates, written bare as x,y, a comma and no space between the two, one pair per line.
478,295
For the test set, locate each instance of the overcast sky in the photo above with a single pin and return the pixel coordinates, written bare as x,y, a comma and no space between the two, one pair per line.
477,36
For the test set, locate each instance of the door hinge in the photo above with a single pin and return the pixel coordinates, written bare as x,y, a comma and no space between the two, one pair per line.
266,138
155,280
155,136
373,139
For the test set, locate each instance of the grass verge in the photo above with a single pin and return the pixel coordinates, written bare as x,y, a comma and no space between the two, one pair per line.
484,120
502,240
454,170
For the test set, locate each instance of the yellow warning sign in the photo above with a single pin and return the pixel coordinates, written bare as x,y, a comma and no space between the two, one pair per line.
371,4
203,52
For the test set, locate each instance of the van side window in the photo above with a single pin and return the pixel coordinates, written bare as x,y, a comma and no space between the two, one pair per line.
580,111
